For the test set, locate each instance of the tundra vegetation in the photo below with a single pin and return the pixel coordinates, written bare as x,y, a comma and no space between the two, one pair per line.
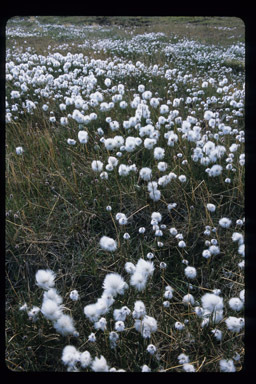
124,197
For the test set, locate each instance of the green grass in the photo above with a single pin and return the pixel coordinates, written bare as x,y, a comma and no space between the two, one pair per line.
55,216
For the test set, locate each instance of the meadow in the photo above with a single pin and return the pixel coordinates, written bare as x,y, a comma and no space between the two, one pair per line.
124,197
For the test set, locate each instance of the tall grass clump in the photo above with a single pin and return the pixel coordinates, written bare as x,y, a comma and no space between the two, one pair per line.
124,200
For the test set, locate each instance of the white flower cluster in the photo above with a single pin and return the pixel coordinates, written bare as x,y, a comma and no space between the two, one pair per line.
139,273
52,307
211,310
239,238
73,359
113,285
186,365
108,244
143,323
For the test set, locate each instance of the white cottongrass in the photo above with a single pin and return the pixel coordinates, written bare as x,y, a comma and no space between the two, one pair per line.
109,144
113,336
173,231
236,304
227,365
71,141
239,222
113,161
145,368
119,326
146,326
242,294
51,310
234,324
121,314
19,150
102,305
188,367
123,170
152,186
241,250
164,180
181,244
182,178
92,312
214,250
138,280
92,337
159,153
163,265
33,313
212,302
208,115
183,359
236,356
104,175
139,277
215,170
122,219
108,244
65,325
217,333
129,267
107,82
45,278
151,348
156,216
238,237
101,324
179,326
188,299
74,295
225,222
139,310
150,255
97,165
145,267
99,364
164,109
168,294
114,284
190,272
70,356
85,359
211,207
162,166
142,230
149,143
52,295
216,291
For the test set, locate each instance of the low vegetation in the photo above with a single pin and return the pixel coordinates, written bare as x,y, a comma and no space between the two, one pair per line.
128,128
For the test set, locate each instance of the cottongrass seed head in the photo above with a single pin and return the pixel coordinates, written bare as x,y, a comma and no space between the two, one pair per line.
70,356
114,284
45,278
100,364
108,244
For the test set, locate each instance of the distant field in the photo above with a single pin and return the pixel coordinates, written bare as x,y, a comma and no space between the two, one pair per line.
210,30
